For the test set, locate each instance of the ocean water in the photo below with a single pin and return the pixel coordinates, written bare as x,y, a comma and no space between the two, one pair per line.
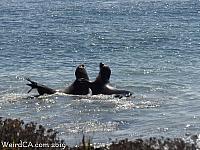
152,48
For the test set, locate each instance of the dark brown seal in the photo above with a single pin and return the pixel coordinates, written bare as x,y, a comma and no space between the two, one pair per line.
102,83
76,88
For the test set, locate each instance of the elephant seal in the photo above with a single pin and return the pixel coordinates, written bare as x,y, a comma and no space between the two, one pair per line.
76,88
102,84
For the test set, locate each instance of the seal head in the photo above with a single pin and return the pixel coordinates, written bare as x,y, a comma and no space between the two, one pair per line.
81,72
104,73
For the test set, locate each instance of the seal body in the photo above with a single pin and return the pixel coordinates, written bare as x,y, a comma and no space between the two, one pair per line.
78,87
102,84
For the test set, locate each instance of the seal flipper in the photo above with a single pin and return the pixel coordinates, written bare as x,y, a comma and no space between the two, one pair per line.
117,92
122,93
42,89
33,84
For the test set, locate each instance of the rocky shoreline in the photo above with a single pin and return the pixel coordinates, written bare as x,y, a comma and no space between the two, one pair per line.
15,134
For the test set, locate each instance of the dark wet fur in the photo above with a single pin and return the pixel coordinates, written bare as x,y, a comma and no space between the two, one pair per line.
102,84
42,89
76,88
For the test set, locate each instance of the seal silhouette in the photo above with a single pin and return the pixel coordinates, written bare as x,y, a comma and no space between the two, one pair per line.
78,87
102,83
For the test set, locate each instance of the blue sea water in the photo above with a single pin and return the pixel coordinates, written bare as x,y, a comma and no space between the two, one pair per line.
152,47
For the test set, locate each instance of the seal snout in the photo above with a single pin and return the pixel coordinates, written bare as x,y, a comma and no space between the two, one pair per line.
101,65
82,66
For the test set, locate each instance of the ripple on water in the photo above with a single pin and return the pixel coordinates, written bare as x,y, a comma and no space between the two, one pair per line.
12,97
88,126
